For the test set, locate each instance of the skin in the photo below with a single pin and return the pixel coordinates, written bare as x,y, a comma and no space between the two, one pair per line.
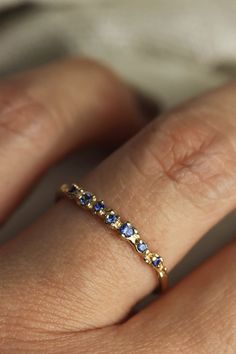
67,284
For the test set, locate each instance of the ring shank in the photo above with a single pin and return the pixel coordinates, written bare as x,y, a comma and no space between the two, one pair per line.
163,280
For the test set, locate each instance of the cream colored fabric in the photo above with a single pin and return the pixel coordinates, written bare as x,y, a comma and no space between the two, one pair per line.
169,49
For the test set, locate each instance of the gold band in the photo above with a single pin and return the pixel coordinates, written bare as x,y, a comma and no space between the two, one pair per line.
125,229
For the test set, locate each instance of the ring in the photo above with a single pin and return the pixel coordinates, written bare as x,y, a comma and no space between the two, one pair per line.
124,229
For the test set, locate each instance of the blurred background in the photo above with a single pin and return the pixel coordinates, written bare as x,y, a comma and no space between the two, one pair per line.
168,50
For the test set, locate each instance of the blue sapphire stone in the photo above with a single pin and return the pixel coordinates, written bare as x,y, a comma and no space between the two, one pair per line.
142,247
111,218
85,198
126,230
98,206
156,261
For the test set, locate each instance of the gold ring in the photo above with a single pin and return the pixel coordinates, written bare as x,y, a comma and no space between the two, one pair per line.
124,228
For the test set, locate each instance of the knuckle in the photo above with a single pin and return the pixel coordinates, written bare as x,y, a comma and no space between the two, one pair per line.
25,116
195,155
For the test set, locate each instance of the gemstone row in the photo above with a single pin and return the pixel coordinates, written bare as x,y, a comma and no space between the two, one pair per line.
125,229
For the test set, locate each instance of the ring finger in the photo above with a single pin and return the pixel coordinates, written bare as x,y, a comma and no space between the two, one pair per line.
173,181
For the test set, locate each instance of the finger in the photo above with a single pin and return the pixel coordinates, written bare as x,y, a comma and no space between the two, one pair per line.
47,112
198,316
173,182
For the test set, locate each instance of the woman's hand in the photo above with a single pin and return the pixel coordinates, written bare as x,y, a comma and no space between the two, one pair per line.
67,284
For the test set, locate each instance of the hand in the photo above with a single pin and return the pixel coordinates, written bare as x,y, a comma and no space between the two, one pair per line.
67,283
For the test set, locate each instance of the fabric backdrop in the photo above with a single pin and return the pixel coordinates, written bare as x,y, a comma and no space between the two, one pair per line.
169,49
